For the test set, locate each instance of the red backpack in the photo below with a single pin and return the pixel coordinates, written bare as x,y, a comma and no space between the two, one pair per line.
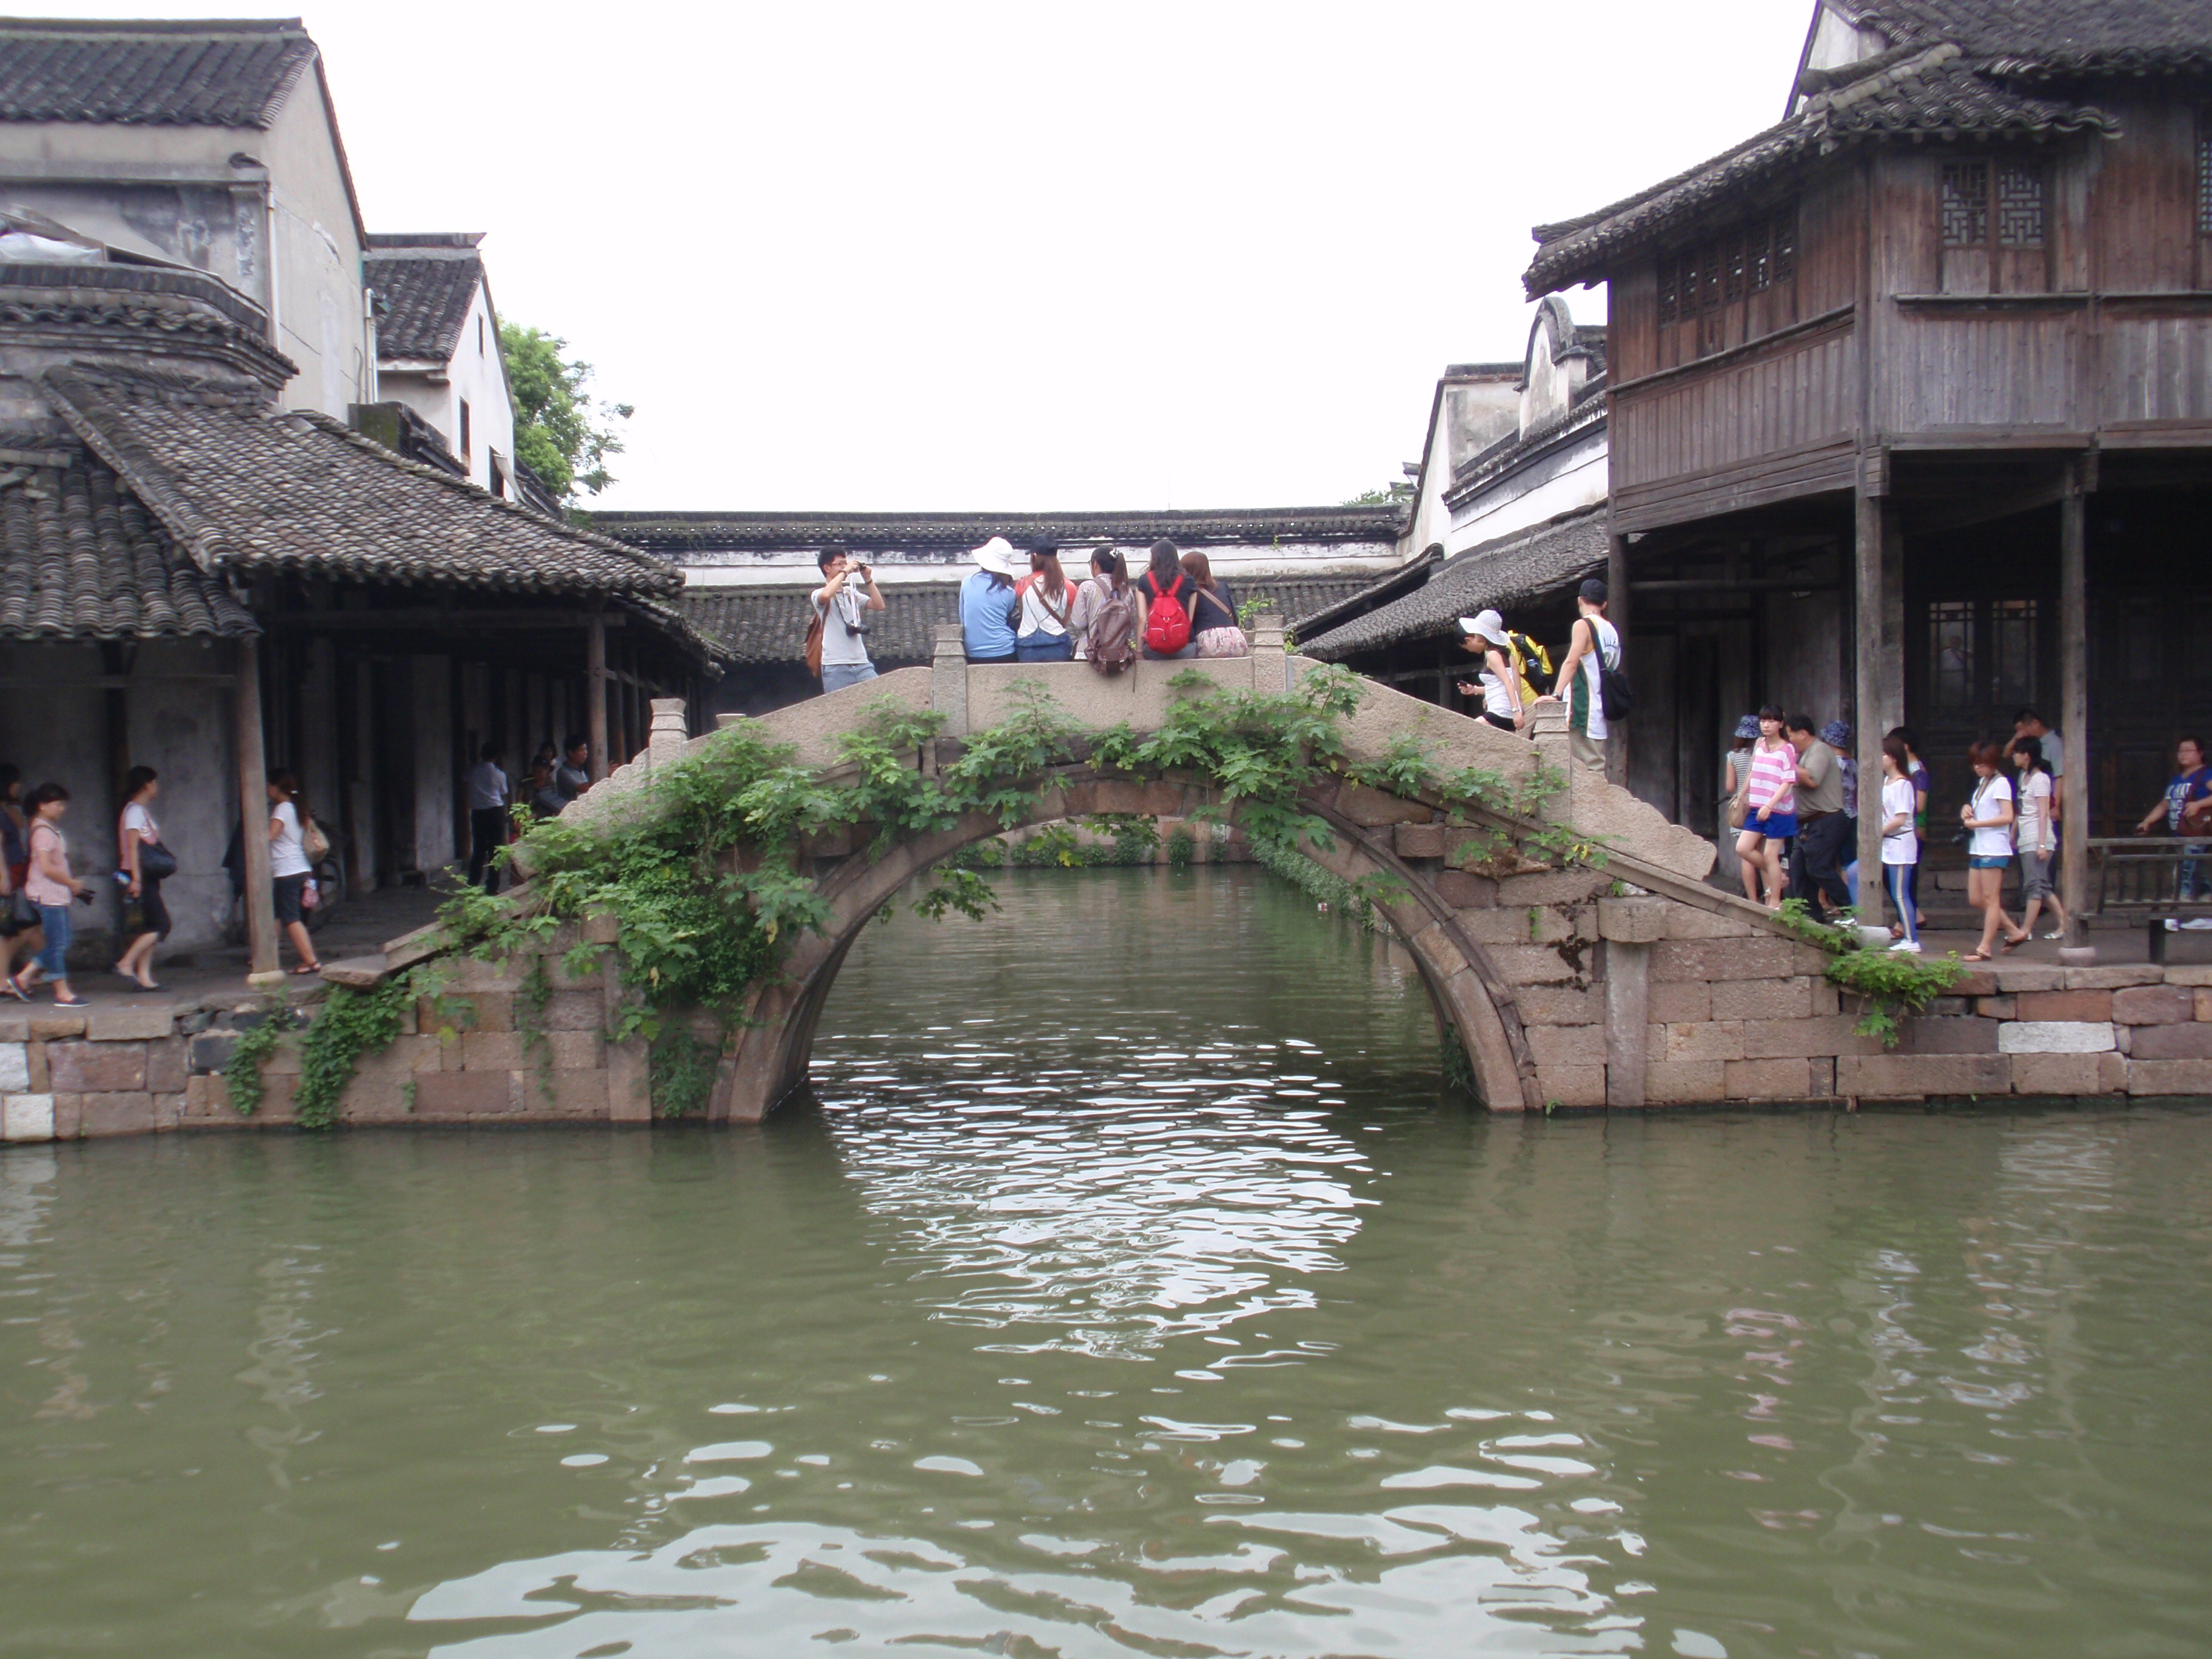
1167,630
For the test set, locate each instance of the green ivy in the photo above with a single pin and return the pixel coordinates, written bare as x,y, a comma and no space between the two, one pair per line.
1889,983
241,1072
680,1069
349,1024
1182,848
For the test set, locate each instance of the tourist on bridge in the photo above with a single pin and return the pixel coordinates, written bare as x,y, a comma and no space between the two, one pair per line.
1485,636
2186,806
987,602
1167,599
1593,652
1988,818
1104,619
1816,867
1214,623
1769,814
847,594
1044,605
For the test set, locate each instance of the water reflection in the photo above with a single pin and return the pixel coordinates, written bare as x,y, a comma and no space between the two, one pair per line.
1068,1324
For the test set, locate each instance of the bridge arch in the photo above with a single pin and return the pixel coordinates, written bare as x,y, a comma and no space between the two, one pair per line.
767,1057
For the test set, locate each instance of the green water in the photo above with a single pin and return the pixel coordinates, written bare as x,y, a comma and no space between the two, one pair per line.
1129,1291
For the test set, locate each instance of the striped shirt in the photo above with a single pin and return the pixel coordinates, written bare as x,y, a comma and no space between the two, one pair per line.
1773,772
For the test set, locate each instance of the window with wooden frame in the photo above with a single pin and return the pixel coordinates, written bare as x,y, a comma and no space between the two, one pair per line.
1712,285
1993,218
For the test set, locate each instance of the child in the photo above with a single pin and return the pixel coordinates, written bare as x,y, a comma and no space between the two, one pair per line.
1770,809
1900,847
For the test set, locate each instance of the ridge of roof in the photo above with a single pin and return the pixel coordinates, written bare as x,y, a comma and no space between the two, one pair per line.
679,530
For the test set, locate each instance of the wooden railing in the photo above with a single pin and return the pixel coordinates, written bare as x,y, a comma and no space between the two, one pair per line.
2155,879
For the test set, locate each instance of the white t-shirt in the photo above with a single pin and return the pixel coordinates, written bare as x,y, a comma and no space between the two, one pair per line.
844,644
2036,834
138,821
487,786
287,857
1035,618
1607,640
1898,845
1496,694
1992,844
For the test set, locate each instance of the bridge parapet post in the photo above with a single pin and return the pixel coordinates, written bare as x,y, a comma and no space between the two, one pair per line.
1271,667
664,744
1547,727
948,679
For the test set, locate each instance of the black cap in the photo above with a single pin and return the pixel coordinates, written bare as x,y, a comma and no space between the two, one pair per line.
1594,591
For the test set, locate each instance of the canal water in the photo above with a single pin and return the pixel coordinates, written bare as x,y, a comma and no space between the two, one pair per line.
1130,1290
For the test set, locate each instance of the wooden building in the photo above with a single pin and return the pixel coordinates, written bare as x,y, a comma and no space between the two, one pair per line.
1912,400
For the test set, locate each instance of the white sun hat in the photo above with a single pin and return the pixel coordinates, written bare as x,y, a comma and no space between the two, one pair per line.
997,556
1488,624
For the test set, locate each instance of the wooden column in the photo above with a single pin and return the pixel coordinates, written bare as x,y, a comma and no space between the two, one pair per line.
595,691
1877,685
2074,690
1618,738
261,965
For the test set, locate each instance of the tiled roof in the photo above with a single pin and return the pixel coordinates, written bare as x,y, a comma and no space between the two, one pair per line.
2053,37
1934,93
178,73
1589,408
761,625
956,532
1510,571
242,485
422,298
81,560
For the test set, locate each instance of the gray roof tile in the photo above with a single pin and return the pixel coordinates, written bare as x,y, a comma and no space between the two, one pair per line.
182,74
422,301
80,559
1510,571
243,485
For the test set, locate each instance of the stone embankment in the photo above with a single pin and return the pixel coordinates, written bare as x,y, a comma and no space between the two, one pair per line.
1631,985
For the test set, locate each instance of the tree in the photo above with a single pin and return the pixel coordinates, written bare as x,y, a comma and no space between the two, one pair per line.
559,434
1390,495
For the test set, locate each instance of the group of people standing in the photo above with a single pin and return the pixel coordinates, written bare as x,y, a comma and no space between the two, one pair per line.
556,777
1016,612
1590,680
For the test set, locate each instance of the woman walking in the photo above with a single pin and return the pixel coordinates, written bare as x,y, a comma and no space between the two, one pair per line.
1770,809
1498,683
1737,763
1042,634
1900,851
1989,820
50,885
1213,612
21,925
1104,617
1162,591
2037,837
288,866
141,864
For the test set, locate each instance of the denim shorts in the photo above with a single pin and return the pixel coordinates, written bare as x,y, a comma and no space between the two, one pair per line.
1980,861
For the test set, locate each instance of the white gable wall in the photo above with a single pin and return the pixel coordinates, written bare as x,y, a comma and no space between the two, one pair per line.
475,373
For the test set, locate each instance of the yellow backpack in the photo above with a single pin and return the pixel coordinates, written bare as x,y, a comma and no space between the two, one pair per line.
1527,654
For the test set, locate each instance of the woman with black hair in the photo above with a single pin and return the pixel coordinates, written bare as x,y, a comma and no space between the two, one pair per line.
1162,591
51,886
288,868
142,863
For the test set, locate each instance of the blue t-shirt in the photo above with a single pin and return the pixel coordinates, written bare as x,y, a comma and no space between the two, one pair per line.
2186,787
985,602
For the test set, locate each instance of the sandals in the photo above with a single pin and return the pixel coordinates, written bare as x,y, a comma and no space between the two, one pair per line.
2011,945
9,987
1975,955
73,1002
306,969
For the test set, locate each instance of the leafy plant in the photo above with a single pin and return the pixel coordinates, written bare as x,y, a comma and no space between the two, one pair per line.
349,1024
961,890
241,1072
680,1072
1182,848
1342,898
1889,984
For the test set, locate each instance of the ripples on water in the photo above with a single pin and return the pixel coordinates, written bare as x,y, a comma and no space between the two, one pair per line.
1129,1291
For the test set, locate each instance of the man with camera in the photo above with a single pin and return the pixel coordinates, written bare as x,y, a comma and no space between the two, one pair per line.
839,610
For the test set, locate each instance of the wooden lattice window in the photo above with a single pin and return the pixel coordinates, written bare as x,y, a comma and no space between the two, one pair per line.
1669,289
2020,205
1758,255
1785,245
2204,178
1732,269
1748,260
1966,203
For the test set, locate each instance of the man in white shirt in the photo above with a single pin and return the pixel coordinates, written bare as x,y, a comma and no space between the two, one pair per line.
489,792
1595,645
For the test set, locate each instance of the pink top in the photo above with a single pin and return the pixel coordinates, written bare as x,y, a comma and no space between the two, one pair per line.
39,887
1773,776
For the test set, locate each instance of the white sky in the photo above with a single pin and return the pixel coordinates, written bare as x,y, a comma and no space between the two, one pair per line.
1019,256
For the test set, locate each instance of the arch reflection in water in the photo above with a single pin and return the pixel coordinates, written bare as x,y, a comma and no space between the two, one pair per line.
1127,1143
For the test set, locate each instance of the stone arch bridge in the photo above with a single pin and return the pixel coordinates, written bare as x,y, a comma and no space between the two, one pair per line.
1563,985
